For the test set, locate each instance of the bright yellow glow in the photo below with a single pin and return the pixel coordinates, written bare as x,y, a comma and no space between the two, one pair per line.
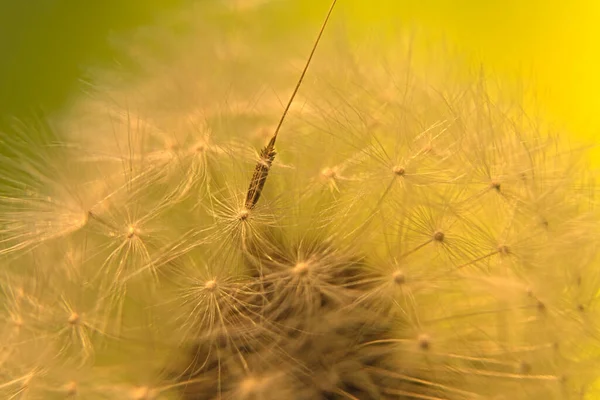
552,48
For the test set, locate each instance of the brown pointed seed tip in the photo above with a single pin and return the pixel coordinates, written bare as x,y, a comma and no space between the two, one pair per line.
267,154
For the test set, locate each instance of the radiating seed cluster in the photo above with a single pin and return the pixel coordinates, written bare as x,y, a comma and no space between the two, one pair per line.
415,238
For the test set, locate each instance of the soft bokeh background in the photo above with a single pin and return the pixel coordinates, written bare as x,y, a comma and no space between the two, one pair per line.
549,47
45,46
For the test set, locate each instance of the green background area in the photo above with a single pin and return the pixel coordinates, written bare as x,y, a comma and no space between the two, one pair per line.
551,47
45,46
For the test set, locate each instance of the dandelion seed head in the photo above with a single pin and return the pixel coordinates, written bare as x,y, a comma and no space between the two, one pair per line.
259,292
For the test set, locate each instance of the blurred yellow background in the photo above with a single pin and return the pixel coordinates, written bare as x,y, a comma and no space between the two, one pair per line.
551,47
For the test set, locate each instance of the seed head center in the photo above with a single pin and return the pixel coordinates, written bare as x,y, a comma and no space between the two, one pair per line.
200,147
132,231
504,249
398,170
73,318
211,285
243,214
329,173
424,341
496,185
301,268
399,277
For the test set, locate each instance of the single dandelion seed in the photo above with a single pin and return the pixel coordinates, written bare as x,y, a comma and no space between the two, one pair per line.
267,154
261,171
